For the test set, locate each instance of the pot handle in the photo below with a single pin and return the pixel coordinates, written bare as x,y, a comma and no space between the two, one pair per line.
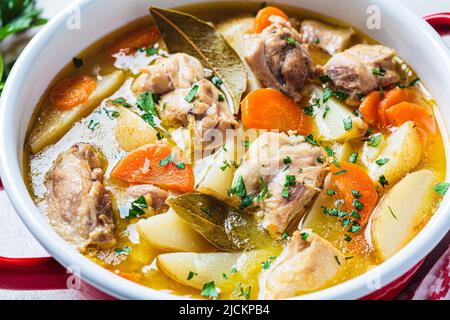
32,273
48,274
440,22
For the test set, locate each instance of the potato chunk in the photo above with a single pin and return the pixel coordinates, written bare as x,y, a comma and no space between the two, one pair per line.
403,152
335,121
132,132
168,232
218,178
399,214
54,123
205,267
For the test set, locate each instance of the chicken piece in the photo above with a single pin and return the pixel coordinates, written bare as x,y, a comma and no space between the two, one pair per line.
209,108
155,197
332,39
361,69
308,263
293,172
177,71
278,59
79,208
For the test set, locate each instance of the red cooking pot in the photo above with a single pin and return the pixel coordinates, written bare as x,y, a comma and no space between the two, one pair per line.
48,274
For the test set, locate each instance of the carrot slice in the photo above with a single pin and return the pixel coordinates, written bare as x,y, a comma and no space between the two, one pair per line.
262,18
72,92
406,111
393,97
369,107
156,164
353,183
271,109
142,38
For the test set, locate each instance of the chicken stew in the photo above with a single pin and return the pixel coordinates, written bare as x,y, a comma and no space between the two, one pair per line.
229,151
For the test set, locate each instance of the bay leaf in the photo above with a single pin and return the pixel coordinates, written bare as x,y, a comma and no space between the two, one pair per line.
183,32
226,227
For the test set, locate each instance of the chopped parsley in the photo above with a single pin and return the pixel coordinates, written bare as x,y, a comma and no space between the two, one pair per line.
441,188
77,62
331,192
353,157
191,275
316,40
355,214
309,111
340,95
240,292
374,140
149,118
266,264
340,172
356,194
329,151
327,110
304,236
151,51
147,102
239,190
137,207
358,205
264,190
285,236
221,98
169,159
414,82
216,81
324,79
383,181
122,251
379,71
348,123
181,165
92,125
310,140
287,160
382,162
122,102
290,182
347,238
239,187
191,95
355,228
210,290
247,201
291,41
112,114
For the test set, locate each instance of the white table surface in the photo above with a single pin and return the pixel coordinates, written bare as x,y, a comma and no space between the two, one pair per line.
16,241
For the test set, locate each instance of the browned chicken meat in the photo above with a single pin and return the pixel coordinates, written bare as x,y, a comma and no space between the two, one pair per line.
308,263
284,174
361,69
155,197
331,39
79,207
207,107
278,59
177,71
